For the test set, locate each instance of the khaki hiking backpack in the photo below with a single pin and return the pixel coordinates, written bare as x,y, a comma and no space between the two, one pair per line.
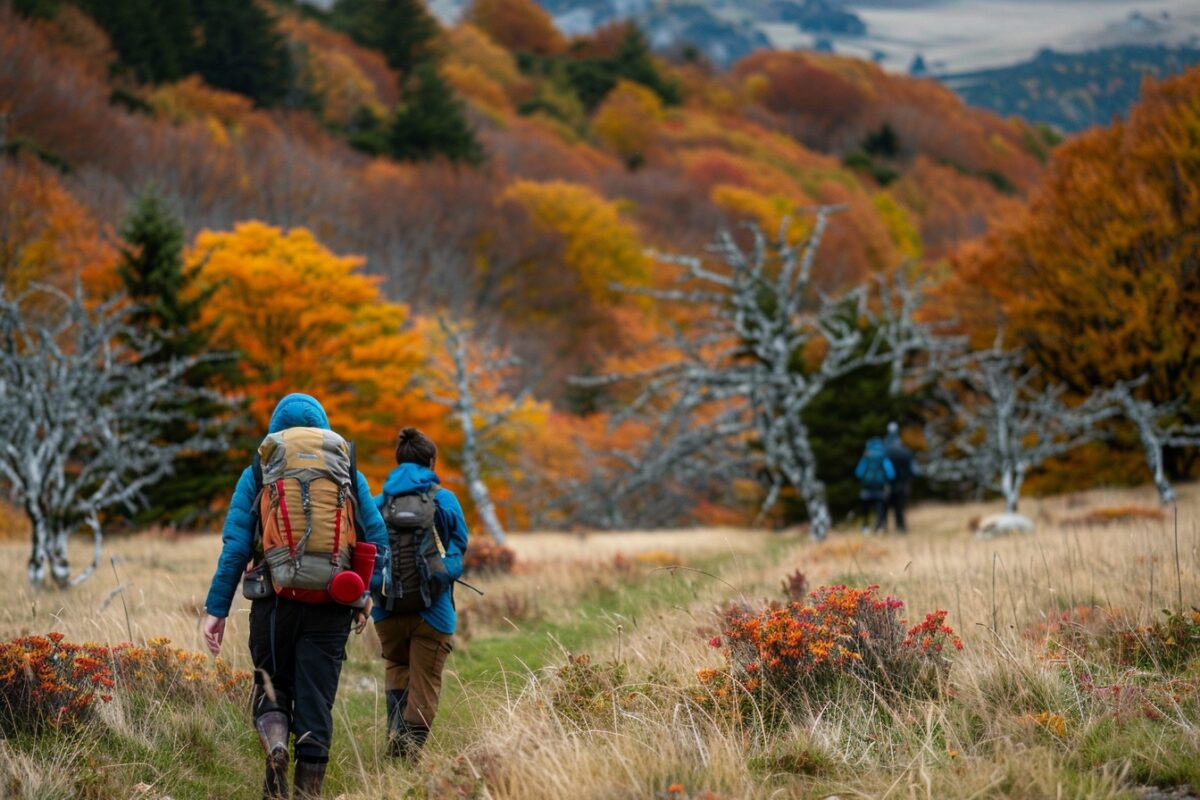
307,482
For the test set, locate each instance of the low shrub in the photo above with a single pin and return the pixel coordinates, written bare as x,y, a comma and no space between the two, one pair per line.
587,693
1112,515
49,683
795,586
485,557
1106,636
804,650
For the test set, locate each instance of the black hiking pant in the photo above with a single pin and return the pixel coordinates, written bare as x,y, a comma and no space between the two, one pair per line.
298,650
897,501
873,500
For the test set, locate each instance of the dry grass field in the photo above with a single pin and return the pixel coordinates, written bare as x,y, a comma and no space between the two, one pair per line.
576,675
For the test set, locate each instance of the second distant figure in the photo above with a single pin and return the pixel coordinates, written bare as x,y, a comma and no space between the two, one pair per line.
874,473
415,616
906,469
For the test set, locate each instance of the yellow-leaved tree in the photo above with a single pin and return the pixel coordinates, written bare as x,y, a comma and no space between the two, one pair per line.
567,288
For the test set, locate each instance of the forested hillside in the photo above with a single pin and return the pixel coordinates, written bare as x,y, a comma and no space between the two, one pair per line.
361,172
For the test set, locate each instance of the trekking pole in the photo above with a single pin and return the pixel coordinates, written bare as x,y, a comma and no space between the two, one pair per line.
469,586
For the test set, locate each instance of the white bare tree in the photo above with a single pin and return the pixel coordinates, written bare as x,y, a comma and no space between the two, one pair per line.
477,425
80,405
759,345
1158,426
1004,421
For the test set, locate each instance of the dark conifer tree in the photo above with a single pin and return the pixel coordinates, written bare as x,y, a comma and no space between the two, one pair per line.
431,122
242,51
154,276
403,30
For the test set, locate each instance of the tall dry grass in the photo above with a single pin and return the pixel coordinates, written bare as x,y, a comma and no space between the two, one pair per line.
510,734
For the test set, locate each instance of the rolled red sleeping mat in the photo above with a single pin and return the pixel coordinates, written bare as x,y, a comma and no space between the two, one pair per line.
347,587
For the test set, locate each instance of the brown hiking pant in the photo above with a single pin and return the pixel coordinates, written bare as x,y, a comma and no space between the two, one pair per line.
415,654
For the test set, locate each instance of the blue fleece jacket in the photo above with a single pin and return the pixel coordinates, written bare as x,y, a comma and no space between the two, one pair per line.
237,536
451,525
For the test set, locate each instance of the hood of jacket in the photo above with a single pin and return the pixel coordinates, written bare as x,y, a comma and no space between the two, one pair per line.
298,411
875,446
409,478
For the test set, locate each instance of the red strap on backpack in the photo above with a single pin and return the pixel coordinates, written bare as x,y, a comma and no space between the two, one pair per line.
287,522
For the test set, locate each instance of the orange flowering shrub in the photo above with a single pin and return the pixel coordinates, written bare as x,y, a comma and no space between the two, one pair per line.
804,649
484,556
1106,635
49,683
159,670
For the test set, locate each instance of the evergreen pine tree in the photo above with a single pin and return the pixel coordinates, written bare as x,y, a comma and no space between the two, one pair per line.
154,40
431,122
242,51
403,30
154,276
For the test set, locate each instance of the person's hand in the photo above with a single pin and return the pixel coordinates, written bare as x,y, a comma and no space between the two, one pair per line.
214,632
362,615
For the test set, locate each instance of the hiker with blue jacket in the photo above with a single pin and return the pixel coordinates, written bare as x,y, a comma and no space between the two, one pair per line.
298,514
874,472
414,614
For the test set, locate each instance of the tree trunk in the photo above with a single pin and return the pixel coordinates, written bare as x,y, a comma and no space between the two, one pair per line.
806,482
37,558
60,569
1011,478
1154,460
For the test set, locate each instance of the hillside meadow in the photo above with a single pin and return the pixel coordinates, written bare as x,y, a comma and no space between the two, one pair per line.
589,670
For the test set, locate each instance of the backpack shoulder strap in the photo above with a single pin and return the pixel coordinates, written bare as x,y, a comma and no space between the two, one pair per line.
358,525
256,506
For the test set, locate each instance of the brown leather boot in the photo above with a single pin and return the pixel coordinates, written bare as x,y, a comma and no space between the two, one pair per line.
308,779
273,732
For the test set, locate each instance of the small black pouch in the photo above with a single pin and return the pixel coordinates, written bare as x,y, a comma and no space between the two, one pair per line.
256,583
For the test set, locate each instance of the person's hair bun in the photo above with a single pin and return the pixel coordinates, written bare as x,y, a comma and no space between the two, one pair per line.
412,446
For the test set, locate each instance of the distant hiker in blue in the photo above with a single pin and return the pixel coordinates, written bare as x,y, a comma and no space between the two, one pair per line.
297,635
874,472
414,615
906,468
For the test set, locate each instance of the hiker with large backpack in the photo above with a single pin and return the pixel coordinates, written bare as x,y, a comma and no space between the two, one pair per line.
874,473
414,616
303,518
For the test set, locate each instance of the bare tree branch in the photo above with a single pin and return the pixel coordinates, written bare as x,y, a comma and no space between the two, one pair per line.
80,404
1003,421
729,402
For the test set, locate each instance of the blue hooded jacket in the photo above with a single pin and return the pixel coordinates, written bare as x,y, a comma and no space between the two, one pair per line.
451,525
237,536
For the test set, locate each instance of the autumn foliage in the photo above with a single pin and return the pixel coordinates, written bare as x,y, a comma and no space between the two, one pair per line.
50,683
303,319
590,161
804,649
1096,275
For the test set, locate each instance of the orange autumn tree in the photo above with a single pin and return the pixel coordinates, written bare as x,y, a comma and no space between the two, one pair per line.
304,319
1097,275
579,247
46,235
522,26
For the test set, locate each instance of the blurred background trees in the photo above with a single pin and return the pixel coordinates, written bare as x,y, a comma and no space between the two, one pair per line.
325,184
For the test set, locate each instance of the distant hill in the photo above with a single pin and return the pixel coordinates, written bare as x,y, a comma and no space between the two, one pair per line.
1072,91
